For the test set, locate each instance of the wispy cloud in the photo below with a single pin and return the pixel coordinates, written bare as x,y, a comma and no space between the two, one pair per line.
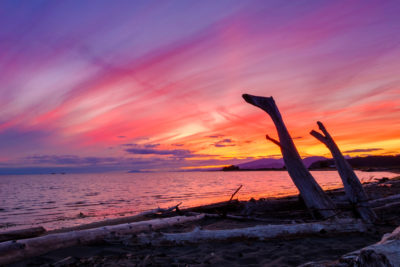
224,143
69,160
147,151
216,136
363,150
177,144
141,145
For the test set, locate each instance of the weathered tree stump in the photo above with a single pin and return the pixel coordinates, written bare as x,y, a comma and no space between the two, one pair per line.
352,185
314,197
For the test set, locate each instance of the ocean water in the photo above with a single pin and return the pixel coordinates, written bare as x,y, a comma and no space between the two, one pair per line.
55,201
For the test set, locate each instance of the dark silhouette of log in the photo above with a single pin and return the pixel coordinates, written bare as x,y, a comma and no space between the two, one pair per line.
22,233
314,197
352,185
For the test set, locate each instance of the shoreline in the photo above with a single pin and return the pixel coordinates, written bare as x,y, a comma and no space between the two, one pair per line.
100,203
238,252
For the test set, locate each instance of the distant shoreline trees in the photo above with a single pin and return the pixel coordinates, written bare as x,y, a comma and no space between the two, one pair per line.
230,168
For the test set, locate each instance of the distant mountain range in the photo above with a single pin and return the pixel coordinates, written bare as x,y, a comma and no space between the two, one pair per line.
268,163
316,162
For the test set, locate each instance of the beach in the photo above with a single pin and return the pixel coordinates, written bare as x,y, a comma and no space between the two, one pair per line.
130,250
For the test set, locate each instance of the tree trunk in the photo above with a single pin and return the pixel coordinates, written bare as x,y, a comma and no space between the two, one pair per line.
352,185
260,232
11,251
314,197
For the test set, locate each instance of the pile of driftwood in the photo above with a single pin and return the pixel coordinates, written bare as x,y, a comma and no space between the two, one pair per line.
315,213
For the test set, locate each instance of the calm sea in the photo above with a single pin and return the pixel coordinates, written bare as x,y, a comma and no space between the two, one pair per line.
55,201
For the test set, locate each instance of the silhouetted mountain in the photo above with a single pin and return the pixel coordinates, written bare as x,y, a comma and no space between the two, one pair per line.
388,162
262,164
274,163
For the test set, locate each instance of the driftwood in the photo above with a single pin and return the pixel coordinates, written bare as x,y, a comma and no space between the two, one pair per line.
260,232
314,197
242,218
237,190
20,234
384,253
11,251
159,210
385,200
146,215
352,185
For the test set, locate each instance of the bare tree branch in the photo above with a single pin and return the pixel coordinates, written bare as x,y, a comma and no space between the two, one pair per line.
276,142
323,129
319,136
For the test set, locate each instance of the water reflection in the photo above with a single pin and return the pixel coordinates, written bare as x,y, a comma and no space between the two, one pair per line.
56,201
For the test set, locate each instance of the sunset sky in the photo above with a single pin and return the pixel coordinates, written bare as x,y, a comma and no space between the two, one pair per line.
157,85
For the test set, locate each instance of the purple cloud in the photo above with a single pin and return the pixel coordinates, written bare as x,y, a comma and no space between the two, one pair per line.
141,145
178,144
216,136
150,151
224,143
69,160
362,150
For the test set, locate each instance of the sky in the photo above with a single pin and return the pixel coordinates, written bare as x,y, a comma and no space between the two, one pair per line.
156,85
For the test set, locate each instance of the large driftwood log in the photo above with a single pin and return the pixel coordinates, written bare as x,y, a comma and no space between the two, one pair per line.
11,251
385,200
352,185
385,253
22,233
146,215
314,197
260,232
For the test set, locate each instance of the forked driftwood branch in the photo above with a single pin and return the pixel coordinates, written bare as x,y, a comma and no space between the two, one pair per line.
352,185
273,140
319,204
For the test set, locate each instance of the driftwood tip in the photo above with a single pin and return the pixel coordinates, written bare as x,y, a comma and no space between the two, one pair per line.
259,101
248,98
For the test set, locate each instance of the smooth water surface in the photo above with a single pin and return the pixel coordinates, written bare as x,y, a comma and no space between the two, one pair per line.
56,201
